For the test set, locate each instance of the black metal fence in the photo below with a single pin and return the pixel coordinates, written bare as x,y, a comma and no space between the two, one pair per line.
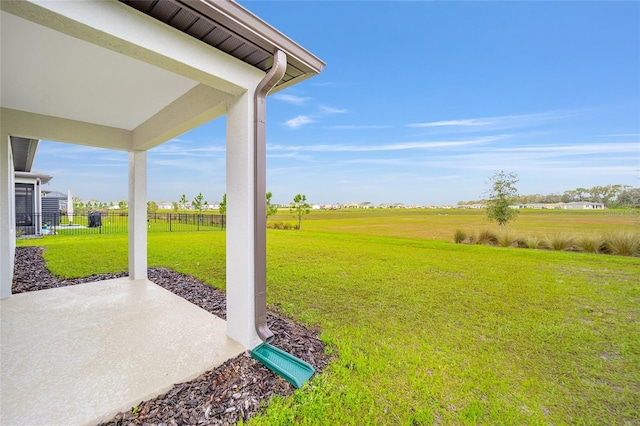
109,222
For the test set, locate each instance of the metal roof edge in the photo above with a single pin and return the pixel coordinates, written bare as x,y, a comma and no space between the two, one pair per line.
249,26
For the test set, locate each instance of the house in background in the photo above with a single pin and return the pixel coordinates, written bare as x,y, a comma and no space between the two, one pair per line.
28,187
582,205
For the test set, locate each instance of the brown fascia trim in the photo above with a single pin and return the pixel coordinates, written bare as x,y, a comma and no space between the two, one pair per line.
247,25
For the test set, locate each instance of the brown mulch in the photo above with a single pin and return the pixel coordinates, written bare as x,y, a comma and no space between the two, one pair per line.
237,390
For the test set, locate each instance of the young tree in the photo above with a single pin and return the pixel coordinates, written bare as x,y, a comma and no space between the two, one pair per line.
271,209
222,208
299,208
502,194
183,202
152,207
197,202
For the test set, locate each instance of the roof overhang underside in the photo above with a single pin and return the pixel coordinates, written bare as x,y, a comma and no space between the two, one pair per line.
24,153
106,74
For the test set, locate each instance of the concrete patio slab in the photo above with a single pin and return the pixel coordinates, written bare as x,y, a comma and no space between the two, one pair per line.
77,355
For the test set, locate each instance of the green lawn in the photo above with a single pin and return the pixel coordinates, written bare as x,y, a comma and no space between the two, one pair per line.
426,331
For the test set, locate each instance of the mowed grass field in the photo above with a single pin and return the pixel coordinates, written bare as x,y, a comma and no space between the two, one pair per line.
426,331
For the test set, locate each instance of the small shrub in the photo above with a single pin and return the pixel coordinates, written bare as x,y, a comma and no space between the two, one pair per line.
560,241
459,236
590,243
281,226
486,237
623,244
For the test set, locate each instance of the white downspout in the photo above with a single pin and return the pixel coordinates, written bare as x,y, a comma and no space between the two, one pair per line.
259,192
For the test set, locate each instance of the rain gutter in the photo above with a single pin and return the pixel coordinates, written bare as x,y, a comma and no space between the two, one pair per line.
259,193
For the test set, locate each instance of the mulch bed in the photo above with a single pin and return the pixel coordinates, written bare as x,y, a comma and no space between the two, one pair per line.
237,390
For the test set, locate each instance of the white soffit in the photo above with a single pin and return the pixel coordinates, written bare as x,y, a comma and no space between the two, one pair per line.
46,72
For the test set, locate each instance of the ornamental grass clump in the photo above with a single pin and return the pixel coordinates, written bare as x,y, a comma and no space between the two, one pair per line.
459,236
622,244
486,237
560,241
533,242
590,243
506,239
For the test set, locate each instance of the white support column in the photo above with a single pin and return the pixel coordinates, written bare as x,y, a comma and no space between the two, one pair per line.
7,216
240,225
137,215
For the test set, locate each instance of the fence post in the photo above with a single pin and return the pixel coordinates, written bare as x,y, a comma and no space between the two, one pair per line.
169,222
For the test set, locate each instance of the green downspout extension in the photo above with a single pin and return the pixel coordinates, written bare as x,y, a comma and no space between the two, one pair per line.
259,192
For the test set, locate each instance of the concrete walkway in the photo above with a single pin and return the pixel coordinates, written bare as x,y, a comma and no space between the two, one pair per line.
77,355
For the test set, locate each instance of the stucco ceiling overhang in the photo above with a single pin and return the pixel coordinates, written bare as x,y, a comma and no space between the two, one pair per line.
68,61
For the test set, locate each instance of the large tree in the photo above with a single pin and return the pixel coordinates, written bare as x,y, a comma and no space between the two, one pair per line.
502,193
299,208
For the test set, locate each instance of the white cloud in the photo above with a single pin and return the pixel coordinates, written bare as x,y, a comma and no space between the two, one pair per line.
578,149
298,121
331,110
400,146
469,122
620,135
185,150
292,99
359,127
499,122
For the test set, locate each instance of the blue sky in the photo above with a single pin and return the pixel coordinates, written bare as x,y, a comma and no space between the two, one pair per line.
420,102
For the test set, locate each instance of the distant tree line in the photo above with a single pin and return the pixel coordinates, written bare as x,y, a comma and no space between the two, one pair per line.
611,196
